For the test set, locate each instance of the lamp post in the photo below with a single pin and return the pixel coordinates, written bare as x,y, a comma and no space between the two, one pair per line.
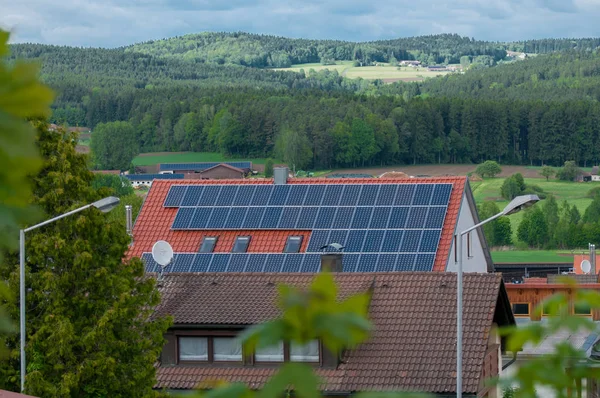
517,204
104,205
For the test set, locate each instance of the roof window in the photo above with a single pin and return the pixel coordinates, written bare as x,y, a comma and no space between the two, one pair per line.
241,244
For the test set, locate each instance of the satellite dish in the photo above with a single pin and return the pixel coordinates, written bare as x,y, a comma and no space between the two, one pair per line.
162,253
586,266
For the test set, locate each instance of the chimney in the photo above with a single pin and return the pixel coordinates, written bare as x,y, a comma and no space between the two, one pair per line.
128,220
593,258
331,262
281,175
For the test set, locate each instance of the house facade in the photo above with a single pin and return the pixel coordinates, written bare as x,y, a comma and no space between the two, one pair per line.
412,347
283,225
147,179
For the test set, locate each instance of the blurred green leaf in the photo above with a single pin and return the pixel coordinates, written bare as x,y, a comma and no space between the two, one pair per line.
298,376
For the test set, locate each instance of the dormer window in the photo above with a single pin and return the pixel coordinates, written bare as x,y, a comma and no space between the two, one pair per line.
241,244
274,353
193,349
308,352
208,244
209,349
292,245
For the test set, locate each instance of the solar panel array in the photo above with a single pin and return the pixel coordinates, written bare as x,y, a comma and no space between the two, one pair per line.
201,166
296,262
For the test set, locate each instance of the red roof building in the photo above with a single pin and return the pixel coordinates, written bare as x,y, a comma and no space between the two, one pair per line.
257,225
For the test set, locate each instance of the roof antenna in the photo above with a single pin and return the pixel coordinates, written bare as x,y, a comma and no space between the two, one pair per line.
335,246
162,254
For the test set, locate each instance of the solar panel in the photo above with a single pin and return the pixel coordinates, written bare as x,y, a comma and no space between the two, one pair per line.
398,217
256,262
429,241
411,241
271,217
289,217
218,218
350,195
368,195
387,193
441,194
337,236
355,240
307,218
391,241
226,195
209,195
192,195
219,262
183,262
373,240
297,194
279,196
435,217
380,217
311,263
416,217
343,217
314,195
424,262
386,262
253,217
423,194
325,217
349,262
405,262
367,263
201,263
244,195
404,195
200,217
274,262
362,217
151,265
237,263
235,218
318,238
261,195
332,195
183,218
292,263
175,196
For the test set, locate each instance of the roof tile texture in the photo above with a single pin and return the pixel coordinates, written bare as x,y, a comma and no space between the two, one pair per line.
154,221
412,347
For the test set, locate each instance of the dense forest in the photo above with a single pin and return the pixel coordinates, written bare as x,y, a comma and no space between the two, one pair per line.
543,110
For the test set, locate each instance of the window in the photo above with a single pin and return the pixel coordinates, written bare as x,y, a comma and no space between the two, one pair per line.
270,354
193,349
520,309
208,244
227,349
305,353
582,309
293,244
241,244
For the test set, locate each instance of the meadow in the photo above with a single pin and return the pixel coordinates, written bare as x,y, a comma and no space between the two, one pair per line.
150,159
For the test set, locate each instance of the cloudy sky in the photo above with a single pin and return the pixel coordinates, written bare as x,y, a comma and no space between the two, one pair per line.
113,23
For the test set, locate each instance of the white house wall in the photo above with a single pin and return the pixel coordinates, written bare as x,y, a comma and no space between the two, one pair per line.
476,262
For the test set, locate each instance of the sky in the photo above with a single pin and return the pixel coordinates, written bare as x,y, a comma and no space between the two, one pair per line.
114,23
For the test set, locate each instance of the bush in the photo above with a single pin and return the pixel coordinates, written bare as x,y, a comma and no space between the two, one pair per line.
269,168
568,172
592,193
535,188
529,191
489,168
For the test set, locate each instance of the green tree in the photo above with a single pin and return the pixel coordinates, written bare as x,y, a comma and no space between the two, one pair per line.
116,185
294,148
533,228
592,213
497,232
269,168
568,172
89,325
547,172
488,169
510,188
363,138
114,145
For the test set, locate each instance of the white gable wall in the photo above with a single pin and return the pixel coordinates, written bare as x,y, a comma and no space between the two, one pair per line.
476,262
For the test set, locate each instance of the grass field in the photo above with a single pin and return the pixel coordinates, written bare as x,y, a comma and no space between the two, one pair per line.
150,159
532,256
385,71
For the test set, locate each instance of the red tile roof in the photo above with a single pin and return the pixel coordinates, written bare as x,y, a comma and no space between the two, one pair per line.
412,348
154,221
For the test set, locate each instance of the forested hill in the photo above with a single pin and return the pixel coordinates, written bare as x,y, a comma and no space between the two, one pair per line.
554,77
271,51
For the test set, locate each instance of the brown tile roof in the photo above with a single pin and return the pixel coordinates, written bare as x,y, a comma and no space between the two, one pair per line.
9,394
227,166
413,314
154,221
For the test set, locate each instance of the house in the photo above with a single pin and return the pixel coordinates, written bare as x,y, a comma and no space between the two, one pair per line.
222,171
147,179
190,168
412,347
595,174
413,64
283,224
437,68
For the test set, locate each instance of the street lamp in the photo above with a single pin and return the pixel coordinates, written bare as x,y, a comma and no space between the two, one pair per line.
517,204
104,205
